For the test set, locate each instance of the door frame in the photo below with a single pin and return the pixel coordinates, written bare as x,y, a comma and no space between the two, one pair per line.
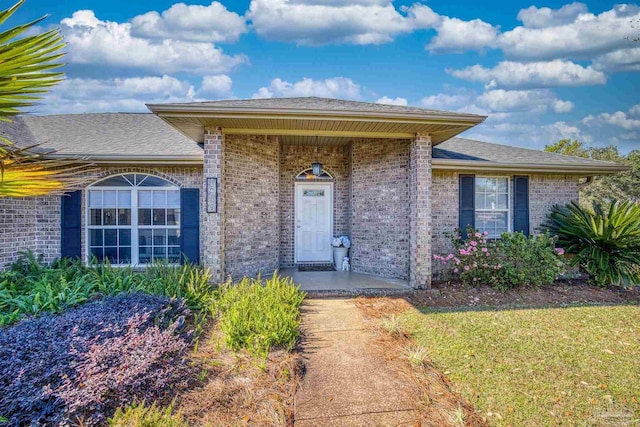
296,212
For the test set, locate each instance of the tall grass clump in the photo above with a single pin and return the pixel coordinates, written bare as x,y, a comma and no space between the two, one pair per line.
604,240
31,287
259,316
140,415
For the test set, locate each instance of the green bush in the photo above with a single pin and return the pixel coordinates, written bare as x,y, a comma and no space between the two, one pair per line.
259,316
605,240
146,416
30,287
513,260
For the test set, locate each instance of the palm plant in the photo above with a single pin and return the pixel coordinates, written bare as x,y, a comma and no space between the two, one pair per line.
605,240
27,70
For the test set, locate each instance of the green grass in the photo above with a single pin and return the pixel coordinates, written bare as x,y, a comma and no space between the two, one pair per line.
539,367
147,416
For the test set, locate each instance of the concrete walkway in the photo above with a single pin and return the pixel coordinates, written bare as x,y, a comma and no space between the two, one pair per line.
346,382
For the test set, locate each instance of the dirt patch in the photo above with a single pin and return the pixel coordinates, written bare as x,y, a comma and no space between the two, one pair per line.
455,295
440,404
239,390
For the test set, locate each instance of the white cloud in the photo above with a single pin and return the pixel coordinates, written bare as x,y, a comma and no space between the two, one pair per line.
635,110
213,23
620,119
337,87
444,101
522,100
92,41
216,86
456,35
583,37
118,94
619,60
392,101
532,75
544,17
328,22
560,106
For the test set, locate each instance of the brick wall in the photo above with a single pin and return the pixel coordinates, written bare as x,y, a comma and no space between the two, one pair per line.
251,211
544,192
380,200
293,160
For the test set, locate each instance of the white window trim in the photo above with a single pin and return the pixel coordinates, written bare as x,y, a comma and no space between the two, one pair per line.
509,201
134,226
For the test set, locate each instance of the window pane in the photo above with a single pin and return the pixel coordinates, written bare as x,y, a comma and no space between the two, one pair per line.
173,237
144,236
111,237
98,253
480,201
124,255
159,199
503,185
144,199
159,252
125,237
481,184
154,181
490,201
95,216
124,216
159,237
502,201
159,217
144,254
174,254
114,181
173,199
124,199
109,199
173,216
111,253
95,237
144,216
109,217
95,199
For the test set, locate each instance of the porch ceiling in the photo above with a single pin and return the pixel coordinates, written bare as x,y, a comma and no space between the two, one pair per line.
314,126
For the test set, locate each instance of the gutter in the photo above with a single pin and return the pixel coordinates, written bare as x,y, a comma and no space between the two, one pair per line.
164,110
567,169
133,159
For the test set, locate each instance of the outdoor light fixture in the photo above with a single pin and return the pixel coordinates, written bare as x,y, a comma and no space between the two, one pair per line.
316,167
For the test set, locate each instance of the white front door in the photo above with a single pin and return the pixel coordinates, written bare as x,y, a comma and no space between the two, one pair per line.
313,219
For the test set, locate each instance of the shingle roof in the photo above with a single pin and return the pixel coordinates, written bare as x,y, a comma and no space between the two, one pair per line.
109,134
17,132
313,103
464,149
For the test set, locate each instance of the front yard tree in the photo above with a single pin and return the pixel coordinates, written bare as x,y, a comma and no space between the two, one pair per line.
28,68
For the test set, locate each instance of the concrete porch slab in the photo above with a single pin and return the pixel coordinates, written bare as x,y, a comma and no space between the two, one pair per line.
340,281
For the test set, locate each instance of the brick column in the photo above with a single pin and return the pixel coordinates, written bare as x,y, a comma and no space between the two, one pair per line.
212,233
420,202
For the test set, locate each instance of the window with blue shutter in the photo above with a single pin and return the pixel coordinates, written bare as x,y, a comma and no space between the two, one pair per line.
190,224
71,225
521,204
466,212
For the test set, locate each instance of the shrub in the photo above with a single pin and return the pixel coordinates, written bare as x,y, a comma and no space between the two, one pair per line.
259,316
605,240
84,363
30,287
146,416
513,260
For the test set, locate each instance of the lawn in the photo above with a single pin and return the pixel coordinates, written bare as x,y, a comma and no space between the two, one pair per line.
539,367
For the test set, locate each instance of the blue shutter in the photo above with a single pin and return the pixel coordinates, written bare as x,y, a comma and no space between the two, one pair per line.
521,204
71,225
190,224
467,206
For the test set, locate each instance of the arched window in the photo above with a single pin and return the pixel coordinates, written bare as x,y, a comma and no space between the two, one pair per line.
308,174
133,219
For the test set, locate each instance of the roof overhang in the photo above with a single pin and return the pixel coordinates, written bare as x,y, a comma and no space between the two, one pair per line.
192,120
113,159
564,169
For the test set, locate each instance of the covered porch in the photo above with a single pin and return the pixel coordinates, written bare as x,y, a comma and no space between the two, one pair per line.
337,281
272,211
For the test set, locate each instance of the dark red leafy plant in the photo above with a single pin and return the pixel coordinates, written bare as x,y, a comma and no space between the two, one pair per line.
79,366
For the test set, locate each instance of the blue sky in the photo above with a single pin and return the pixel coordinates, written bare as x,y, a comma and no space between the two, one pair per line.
540,71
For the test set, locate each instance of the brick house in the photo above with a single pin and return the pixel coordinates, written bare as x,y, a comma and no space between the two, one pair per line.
231,184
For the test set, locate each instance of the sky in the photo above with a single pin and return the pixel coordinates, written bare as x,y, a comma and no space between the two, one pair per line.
540,71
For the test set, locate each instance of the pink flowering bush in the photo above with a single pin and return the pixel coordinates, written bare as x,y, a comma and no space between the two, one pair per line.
504,263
